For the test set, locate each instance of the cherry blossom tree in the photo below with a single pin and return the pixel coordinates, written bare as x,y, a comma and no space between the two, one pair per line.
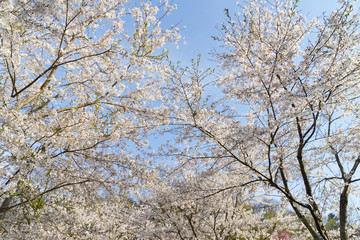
287,121
76,76
190,209
85,87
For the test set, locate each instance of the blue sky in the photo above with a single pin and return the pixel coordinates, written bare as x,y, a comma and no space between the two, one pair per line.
202,16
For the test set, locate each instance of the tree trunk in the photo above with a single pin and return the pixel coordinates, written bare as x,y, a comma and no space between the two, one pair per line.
343,212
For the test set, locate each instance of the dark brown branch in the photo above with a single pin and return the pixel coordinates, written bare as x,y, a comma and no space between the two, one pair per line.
5,209
54,66
231,187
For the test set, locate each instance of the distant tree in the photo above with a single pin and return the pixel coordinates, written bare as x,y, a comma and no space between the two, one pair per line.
332,222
